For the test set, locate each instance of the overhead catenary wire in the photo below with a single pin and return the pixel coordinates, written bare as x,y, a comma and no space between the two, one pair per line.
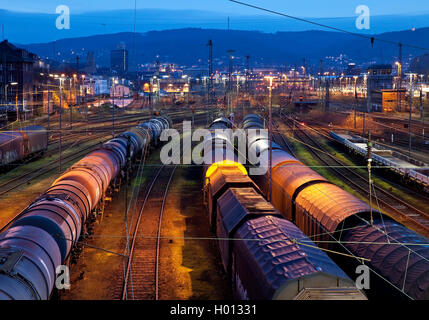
371,38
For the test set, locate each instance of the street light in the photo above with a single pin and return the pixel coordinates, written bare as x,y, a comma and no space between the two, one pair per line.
356,97
270,133
5,95
398,95
62,78
5,89
115,82
411,106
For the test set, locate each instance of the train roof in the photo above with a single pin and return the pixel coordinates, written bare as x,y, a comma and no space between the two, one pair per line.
330,205
381,244
285,261
238,204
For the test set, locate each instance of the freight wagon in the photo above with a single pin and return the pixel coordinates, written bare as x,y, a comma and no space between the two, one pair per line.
397,257
16,146
265,256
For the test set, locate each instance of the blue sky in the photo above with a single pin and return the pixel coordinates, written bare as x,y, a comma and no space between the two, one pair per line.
303,8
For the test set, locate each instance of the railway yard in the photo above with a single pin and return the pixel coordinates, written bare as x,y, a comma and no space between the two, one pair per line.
130,227
214,160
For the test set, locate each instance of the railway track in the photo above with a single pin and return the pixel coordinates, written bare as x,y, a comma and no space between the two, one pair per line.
419,150
142,267
141,275
398,208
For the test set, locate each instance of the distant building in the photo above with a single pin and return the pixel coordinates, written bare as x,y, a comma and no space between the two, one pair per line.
380,77
16,74
352,70
120,91
101,87
95,85
119,61
90,63
388,100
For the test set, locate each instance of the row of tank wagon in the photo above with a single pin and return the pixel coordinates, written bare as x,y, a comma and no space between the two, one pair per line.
265,255
18,145
43,235
397,257
354,143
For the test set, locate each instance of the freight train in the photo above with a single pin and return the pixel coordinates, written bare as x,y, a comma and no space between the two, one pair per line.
265,255
16,146
397,257
41,238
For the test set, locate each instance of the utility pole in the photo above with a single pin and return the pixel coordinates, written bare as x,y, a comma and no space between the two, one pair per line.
409,120
363,123
230,79
17,110
270,129
247,74
365,109
320,82
327,94
356,101
71,103
210,86
369,154
400,76
133,61
113,111
49,121
422,115
60,125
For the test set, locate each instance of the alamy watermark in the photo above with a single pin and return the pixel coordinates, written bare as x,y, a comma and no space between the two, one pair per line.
362,281
363,20
63,277
214,146
63,20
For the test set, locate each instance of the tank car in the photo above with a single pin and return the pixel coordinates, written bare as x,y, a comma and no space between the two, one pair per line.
43,235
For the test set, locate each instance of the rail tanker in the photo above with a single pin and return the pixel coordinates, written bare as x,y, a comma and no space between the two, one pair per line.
41,238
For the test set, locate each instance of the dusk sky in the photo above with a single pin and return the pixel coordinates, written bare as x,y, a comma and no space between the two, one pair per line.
308,8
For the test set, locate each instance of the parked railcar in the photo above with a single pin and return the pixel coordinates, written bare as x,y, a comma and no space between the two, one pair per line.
154,127
260,250
16,146
409,168
270,258
43,235
399,263
36,139
12,147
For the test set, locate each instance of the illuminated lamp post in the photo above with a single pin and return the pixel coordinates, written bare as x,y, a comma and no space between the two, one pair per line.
270,134
5,95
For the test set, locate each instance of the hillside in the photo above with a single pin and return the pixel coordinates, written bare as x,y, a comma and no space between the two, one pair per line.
188,46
